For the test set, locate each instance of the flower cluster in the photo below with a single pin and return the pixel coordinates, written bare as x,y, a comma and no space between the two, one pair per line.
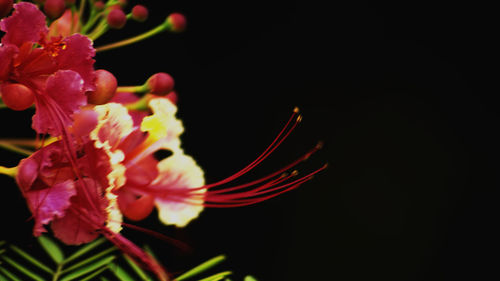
95,156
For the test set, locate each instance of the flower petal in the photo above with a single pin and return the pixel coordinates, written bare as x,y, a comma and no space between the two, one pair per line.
7,53
77,56
26,24
80,225
49,203
178,205
62,97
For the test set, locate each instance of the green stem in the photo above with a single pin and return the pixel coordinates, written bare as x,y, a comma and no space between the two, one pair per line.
133,89
58,272
159,29
101,28
16,149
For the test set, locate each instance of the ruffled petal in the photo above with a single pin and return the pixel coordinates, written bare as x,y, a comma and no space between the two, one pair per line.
63,96
163,124
180,201
81,223
7,53
77,55
49,203
26,24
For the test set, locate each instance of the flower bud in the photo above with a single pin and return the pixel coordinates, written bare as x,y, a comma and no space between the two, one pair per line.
140,13
116,19
99,5
172,96
160,84
106,87
5,7
17,96
54,8
177,21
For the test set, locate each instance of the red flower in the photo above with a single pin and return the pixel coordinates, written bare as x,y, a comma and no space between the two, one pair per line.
175,185
75,196
57,70
76,207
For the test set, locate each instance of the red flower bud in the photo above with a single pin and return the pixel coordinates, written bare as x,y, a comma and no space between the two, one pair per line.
116,18
17,96
139,13
178,22
99,5
5,7
54,8
106,87
160,84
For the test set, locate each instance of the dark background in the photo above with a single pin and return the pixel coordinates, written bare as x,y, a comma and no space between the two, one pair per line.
404,98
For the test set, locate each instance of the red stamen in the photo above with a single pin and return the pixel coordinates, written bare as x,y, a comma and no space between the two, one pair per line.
276,142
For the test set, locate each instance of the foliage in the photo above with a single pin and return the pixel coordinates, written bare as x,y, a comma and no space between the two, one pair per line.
94,261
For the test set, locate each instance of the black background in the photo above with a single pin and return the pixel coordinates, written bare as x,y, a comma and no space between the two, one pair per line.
403,95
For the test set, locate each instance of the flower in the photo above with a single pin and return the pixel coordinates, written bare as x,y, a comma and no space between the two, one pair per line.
175,185
76,207
56,71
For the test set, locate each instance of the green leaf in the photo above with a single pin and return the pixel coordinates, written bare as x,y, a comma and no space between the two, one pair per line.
104,279
83,250
9,274
137,269
148,250
218,276
3,278
22,269
51,248
96,273
120,273
202,267
31,259
87,269
249,278
89,260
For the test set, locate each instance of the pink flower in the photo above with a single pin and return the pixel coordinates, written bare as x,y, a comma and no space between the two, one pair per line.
58,71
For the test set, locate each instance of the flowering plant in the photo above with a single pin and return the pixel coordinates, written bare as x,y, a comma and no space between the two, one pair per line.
94,160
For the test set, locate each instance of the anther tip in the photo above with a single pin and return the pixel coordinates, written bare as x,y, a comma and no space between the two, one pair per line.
319,145
299,118
296,109
295,172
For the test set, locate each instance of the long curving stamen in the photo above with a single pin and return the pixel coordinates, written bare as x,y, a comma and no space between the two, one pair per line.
283,134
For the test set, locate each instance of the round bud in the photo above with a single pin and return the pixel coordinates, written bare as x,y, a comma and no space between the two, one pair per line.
140,13
116,19
160,84
136,208
5,7
106,87
17,96
99,5
54,8
177,22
